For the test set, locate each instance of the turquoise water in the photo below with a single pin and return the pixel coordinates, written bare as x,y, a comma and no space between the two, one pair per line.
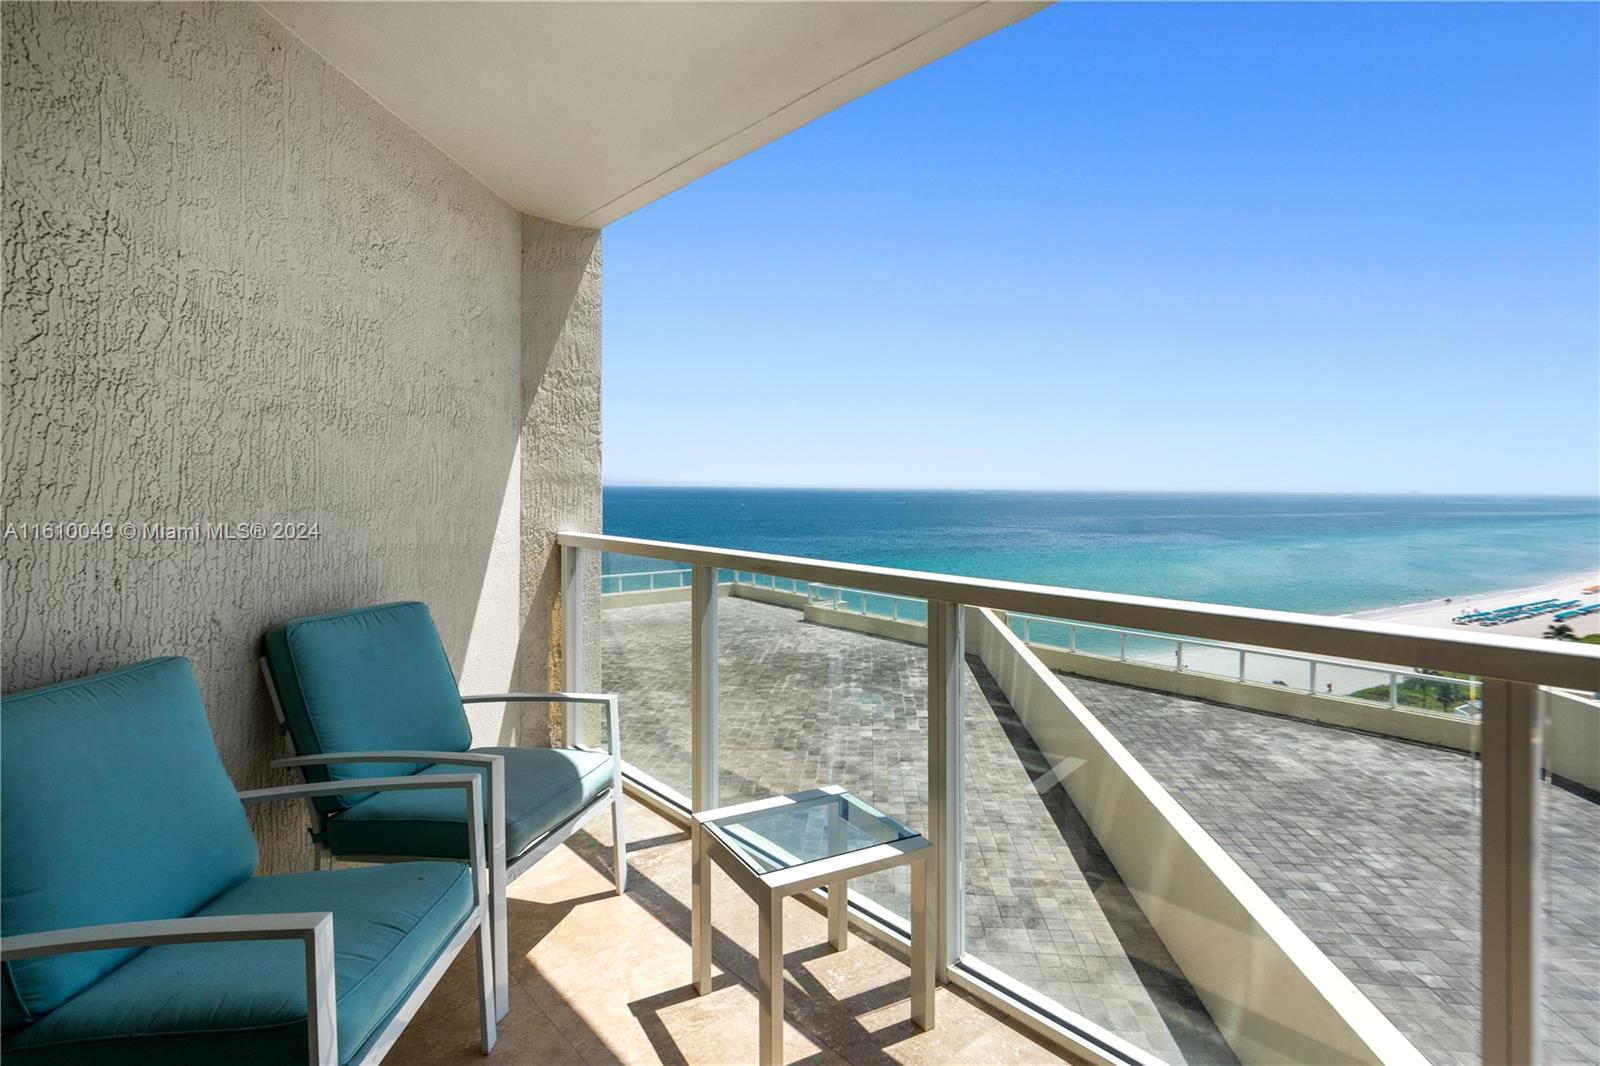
1318,553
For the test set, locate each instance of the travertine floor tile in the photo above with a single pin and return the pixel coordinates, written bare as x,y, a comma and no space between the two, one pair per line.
600,978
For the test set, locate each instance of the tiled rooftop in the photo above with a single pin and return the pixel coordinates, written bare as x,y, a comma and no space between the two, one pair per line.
1369,844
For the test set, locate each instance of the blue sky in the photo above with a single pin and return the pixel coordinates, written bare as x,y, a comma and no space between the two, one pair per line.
1259,247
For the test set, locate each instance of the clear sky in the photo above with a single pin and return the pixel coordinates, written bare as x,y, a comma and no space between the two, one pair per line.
1298,247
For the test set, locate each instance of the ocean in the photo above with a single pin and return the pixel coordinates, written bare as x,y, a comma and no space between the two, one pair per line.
1328,554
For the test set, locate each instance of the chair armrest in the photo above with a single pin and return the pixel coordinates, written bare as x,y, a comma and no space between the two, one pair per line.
609,699
494,765
471,783
313,929
542,697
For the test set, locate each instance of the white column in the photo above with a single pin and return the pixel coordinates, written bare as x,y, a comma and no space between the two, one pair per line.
703,609
946,672
571,638
1510,775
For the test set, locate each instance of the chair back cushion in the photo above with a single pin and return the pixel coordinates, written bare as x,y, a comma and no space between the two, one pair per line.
372,679
114,807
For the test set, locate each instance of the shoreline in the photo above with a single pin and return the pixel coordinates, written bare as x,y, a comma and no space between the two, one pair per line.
1438,613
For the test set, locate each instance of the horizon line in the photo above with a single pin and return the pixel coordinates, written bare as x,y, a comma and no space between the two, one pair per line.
730,486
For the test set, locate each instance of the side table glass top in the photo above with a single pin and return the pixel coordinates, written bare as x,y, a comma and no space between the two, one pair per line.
818,827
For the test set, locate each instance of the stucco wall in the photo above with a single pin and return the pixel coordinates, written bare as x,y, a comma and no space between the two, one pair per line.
560,471
238,290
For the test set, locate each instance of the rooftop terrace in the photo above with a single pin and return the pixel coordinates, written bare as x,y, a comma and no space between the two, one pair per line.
1368,843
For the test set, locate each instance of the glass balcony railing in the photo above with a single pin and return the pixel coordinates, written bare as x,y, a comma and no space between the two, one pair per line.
1167,831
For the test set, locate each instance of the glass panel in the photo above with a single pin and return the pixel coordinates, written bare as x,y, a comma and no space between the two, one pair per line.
1441,693
1281,670
645,659
1098,892
1152,651
813,692
1353,682
777,838
1569,962
1092,640
1212,660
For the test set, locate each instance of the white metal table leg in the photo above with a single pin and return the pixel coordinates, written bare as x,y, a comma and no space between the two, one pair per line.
922,941
770,977
700,910
838,915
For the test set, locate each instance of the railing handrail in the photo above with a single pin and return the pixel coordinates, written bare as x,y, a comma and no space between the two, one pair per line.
1565,664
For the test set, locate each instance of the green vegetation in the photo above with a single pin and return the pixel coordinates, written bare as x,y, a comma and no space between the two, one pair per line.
1423,693
1559,631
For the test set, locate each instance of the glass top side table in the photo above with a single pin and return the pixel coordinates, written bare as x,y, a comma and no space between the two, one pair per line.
779,847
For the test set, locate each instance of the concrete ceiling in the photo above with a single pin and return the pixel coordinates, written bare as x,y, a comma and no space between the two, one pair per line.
583,112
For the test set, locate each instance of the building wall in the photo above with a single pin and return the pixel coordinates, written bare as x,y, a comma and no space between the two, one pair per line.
238,290
561,472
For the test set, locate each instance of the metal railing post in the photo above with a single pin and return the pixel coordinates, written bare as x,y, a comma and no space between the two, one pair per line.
1510,739
572,649
1311,681
703,651
1072,638
1179,660
1394,689
946,794
1122,647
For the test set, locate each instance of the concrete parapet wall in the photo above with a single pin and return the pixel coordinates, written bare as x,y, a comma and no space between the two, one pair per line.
1272,993
645,597
1439,730
1572,737
874,625
778,597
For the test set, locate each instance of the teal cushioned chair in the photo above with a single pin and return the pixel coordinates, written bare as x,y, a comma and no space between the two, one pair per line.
132,929
370,691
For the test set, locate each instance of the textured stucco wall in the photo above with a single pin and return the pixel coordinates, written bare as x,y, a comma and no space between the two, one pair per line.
561,472
239,290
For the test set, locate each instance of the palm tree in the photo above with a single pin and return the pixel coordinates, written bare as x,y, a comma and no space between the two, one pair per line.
1559,631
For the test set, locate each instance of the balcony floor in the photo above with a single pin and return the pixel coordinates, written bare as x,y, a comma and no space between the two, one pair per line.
599,978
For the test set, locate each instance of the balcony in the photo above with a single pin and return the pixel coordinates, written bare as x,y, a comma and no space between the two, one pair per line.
630,1000
1187,833
304,314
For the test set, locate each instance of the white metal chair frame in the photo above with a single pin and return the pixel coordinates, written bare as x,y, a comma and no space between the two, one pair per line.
502,869
314,929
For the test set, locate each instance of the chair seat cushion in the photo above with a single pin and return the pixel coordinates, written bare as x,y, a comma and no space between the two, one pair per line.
544,787
246,1002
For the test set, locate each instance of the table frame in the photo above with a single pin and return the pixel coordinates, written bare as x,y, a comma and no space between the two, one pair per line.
769,891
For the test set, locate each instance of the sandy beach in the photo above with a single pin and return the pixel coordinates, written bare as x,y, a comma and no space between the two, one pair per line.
1440,612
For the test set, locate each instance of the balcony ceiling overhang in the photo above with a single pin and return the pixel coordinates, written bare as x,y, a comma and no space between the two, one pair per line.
584,112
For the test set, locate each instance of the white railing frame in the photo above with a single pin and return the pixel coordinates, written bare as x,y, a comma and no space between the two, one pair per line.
1512,669
1391,676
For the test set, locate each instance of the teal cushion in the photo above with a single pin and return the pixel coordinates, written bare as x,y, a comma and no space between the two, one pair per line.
114,807
544,787
245,1003
372,679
